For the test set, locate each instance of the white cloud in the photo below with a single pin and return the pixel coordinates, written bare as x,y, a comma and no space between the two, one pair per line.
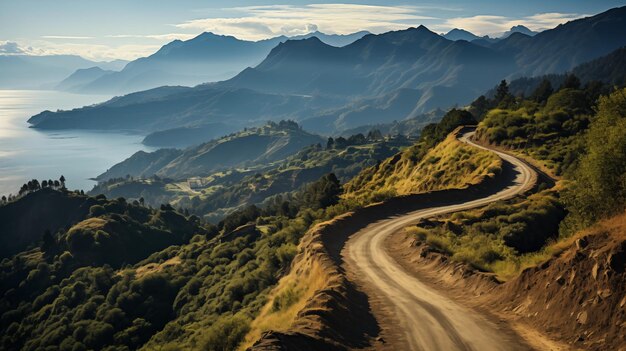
10,48
260,22
70,37
496,25
96,52
551,19
160,37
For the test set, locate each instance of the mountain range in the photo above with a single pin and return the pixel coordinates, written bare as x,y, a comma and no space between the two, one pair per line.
609,70
45,72
376,79
207,57
462,34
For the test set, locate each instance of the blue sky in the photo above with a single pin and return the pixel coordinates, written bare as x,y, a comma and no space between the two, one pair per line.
127,29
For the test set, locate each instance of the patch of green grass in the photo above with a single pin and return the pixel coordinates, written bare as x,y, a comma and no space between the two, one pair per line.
503,237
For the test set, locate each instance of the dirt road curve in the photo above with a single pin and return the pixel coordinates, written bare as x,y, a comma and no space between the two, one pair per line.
426,319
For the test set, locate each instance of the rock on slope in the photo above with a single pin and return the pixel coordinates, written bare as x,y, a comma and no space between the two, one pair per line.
580,294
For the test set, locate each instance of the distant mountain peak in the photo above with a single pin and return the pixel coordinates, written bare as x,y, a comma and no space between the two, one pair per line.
212,36
90,69
313,38
81,76
423,28
518,29
336,40
460,34
298,47
305,42
208,34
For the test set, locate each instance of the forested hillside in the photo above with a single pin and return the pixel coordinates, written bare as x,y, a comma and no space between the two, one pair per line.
220,192
607,70
176,281
69,291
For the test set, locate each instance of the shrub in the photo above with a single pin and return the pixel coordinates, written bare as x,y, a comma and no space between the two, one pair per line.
226,333
599,188
97,210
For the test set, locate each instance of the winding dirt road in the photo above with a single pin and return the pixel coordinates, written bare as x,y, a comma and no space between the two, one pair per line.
425,319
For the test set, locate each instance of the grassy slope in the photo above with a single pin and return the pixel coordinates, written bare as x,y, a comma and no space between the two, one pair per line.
287,299
503,237
451,164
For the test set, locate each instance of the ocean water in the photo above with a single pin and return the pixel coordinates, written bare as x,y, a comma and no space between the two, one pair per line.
27,153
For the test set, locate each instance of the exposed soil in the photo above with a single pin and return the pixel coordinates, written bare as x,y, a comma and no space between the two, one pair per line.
577,298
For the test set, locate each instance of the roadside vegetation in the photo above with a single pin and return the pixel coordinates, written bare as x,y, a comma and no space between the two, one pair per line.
548,126
503,237
434,162
575,132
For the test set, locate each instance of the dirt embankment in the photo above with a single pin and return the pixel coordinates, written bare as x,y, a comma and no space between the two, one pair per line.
334,317
577,298
337,316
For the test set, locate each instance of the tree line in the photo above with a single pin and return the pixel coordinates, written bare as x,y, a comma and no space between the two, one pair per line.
34,185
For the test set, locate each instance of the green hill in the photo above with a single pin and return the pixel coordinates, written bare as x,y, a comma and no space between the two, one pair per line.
23,222
250,148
